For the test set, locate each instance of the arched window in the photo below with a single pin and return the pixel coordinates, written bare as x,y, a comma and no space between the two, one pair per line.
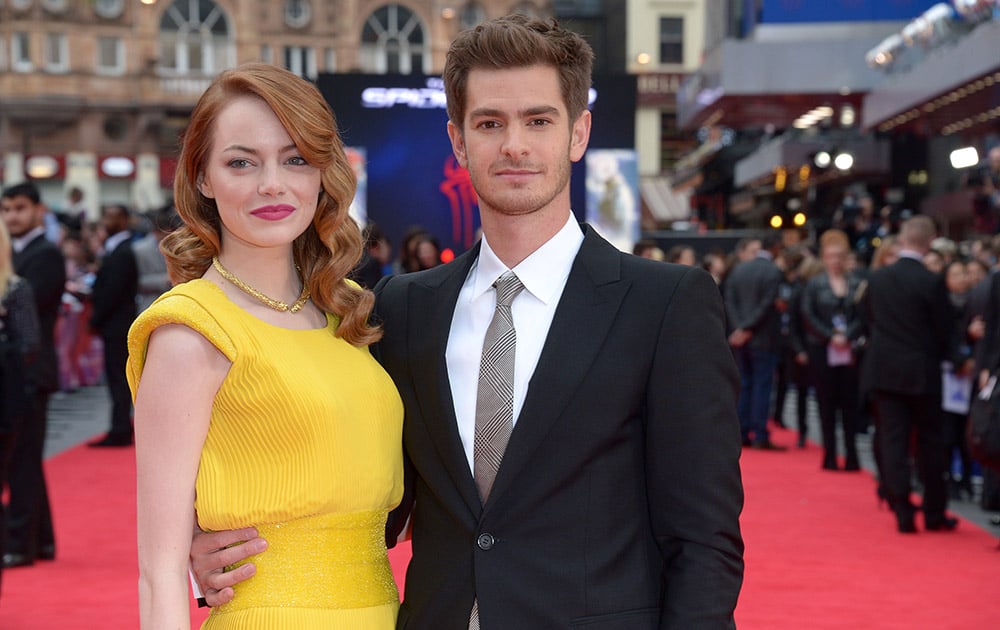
393,42
194,38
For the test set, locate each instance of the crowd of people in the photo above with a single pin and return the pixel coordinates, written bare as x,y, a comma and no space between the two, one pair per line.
883,345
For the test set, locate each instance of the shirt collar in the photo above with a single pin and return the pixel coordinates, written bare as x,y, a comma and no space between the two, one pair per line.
22,241
115,239
543,273
909,253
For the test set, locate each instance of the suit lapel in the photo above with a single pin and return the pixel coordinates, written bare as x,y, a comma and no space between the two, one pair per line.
586,312
432,304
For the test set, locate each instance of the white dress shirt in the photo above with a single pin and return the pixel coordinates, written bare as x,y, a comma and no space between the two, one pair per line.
543,275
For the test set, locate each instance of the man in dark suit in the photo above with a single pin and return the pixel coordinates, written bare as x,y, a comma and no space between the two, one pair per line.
751,291
29,525
115,289
911,333
615,503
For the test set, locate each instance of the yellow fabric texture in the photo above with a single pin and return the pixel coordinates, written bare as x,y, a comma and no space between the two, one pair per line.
304,444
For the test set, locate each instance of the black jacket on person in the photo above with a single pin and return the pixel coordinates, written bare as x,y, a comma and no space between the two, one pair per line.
43,266
115,288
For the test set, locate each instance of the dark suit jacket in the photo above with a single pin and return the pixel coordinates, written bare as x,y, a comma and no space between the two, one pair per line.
115,288
751,291
985,301
42,265
617,502
910,324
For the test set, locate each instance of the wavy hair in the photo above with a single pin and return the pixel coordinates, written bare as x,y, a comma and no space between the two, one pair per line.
516,41
328,251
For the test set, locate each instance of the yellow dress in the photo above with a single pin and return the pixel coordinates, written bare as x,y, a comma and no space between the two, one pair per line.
304,444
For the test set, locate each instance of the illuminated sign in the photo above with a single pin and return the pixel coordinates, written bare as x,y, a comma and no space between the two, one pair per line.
430,97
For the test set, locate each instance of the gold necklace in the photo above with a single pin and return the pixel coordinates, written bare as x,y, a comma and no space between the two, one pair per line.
254,293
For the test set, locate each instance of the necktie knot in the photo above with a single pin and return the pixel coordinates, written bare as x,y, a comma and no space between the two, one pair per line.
508,286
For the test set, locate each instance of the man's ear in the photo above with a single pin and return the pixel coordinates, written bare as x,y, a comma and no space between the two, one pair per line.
580,136
458,144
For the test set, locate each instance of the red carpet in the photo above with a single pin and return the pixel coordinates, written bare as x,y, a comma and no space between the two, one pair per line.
820,554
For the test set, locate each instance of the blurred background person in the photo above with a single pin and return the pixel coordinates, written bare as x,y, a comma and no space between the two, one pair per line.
149,260
426,252
376,261
910,324
114,297
648,249
407,261
793,362
20,338
30,535
751,295
833,327
957,383
682,255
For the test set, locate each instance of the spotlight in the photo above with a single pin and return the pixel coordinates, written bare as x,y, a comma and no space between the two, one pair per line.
799,219
822,159
843,161
974,10
886,52
964,158
776,221
847,115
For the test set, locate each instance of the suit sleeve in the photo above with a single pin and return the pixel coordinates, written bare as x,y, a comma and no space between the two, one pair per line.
47,278
990,357
693,449
764,303
399,516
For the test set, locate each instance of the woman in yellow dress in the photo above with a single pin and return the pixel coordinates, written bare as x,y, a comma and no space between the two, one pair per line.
257,402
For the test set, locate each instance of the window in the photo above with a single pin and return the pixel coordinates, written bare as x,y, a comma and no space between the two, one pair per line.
20,52
109,8
671,40
56,52
297,13
20,4
471,15
110,55
55,6
393,42
331,60
266,53
301,60
3,54
194,38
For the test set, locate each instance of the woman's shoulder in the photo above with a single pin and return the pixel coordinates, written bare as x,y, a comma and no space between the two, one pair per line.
198,304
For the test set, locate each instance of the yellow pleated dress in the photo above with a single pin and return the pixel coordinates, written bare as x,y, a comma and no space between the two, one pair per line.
304,444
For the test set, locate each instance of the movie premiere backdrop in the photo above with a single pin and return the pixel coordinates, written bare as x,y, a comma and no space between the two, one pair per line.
395,128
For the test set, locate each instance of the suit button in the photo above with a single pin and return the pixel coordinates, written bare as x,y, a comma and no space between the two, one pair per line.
485,541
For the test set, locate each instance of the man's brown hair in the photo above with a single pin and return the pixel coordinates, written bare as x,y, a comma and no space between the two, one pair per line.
515,41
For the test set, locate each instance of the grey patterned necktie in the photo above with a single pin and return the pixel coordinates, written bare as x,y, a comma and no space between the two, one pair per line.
495,397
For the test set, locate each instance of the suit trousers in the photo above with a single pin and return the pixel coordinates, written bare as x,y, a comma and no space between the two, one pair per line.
29,519
836,391
756,382
6,451
900,416
115,358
